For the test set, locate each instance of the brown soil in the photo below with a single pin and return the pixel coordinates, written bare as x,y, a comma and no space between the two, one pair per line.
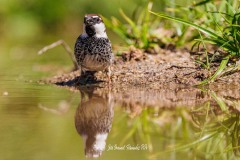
163,70
164,79
139,69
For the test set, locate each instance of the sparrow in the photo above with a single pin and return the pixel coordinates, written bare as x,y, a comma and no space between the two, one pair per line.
93,49
93,121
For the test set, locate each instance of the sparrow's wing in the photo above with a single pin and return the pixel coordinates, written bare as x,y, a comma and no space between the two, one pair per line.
80,49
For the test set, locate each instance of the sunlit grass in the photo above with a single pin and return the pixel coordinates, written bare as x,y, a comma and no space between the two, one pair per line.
225,34
136,32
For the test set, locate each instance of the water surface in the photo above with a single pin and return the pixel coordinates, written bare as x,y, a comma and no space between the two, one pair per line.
44,121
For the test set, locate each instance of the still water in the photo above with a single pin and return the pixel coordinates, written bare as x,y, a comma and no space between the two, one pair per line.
41,121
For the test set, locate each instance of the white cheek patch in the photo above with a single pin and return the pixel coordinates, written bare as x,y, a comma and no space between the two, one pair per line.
100,30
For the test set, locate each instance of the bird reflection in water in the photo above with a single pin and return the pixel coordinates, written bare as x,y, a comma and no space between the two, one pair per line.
93,120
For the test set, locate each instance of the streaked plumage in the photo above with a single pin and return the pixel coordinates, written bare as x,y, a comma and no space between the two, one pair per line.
93,50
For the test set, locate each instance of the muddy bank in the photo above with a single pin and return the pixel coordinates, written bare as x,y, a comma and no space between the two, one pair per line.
163,80
169,68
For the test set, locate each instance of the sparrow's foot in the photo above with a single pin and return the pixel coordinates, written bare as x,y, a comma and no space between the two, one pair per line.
87,77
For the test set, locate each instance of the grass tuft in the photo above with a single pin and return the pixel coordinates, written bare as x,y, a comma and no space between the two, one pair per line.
225,32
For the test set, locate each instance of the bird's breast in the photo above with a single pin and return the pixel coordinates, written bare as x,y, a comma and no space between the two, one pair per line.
95,62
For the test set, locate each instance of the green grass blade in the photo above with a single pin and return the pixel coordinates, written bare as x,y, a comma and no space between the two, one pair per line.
131,23
218,72
226,44
202,3
208,32
190,145
127,18
130,133
145,25
219,101
116,26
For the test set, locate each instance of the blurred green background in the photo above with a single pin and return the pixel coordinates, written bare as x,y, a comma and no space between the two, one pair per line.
28,25
30,21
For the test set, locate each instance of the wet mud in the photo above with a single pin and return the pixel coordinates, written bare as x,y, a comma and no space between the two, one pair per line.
163,80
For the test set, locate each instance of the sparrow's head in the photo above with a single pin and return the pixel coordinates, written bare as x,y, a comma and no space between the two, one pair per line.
94,26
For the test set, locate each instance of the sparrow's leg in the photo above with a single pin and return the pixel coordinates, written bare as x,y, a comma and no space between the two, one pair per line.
82,79
82,72
91,75
87,76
